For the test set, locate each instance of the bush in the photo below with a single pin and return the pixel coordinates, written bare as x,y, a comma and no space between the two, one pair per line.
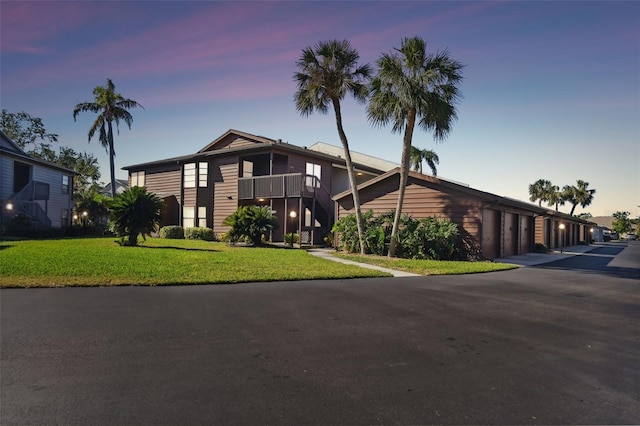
197,233
428,238
135,212
172,232
250,223
291,238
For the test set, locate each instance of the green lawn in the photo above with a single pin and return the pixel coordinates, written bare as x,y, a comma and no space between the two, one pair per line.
430,267
102,262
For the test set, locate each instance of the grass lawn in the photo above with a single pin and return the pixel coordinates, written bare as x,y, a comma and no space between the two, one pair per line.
102,262
430,267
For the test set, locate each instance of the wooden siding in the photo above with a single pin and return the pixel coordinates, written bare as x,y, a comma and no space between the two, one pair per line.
58,201
224,173
6,177
232,142
421,200
163,183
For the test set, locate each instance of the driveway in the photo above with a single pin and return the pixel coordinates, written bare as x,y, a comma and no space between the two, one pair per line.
557,343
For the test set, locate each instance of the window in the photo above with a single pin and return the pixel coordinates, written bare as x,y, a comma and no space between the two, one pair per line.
188,218
202,217
190,175
64,217
314,170
65,184
203,174
247,169
137,178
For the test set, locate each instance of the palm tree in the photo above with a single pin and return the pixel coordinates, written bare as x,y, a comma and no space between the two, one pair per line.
110,106
539,191
578,194
419,155
135,212
411,88
328,71
555,197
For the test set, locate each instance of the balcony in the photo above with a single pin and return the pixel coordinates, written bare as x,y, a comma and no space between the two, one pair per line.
277,186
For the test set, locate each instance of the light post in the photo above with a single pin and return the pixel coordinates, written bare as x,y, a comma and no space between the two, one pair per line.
85,214
292,215
561,227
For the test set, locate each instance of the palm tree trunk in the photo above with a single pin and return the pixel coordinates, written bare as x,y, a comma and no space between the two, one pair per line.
112,155
404,176
573,208
351,173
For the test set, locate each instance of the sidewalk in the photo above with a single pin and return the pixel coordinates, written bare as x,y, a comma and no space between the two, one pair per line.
326,254
531,259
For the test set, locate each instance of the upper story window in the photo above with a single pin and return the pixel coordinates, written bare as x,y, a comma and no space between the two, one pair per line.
137,178
203,174
190,175
65,184
314,170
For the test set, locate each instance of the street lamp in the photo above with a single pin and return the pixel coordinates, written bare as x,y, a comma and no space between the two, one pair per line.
561,227
85,214
292,215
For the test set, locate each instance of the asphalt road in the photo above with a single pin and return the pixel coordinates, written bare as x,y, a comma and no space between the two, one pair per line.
554,344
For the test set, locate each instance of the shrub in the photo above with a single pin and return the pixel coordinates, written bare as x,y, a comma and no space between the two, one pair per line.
197,233
135,212
172,232
428,238
250,223
291,238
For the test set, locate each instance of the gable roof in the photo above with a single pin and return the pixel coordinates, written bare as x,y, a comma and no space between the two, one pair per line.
220,146
494,199
9,147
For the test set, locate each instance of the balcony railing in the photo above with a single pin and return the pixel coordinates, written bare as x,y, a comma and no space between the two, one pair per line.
277,186
34,190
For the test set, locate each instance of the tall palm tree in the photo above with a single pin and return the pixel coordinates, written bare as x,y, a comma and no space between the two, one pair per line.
419,155
111,107
327,73
539,191
412,87
578,194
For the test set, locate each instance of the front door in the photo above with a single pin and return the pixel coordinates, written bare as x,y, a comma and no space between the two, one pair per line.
21,176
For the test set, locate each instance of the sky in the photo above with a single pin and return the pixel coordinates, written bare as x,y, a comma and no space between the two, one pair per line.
551,90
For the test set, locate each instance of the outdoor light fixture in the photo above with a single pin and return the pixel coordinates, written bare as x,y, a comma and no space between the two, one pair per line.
9,206
561,227
292,215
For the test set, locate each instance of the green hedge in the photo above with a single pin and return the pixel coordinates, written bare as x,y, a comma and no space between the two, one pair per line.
172,232
197,233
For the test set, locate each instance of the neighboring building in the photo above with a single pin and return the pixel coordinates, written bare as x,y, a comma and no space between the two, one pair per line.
38,189
491,226
239,168
121,186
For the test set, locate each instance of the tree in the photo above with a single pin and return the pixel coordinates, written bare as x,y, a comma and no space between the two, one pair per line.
555,197
111,107
621,222
585,215
412,87
539,191
134,212
29,132
419,155
328,72
24,129
578,194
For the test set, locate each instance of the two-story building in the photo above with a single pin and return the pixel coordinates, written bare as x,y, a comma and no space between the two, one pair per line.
40,190
239,168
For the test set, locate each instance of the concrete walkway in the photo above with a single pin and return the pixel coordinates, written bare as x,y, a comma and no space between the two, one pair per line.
326,254
529,259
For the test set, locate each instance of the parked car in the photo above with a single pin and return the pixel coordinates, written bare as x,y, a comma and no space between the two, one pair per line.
631,237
